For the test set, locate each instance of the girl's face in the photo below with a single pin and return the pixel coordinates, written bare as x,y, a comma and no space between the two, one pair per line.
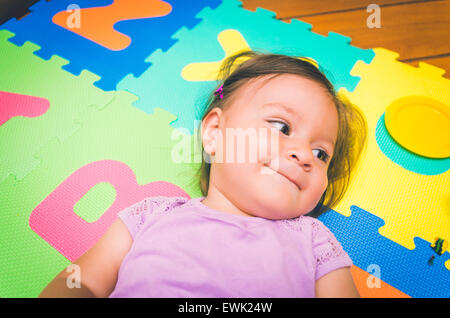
287,127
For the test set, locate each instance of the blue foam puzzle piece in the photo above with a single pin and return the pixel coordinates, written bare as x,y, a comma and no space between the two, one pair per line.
407,270
146,35
261,30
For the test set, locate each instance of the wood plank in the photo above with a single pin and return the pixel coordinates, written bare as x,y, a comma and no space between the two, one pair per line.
413,30
297,8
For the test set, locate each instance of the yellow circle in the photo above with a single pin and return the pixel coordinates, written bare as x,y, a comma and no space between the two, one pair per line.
421,125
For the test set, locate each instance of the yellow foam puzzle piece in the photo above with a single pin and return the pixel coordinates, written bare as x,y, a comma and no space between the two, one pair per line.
232,42
411,204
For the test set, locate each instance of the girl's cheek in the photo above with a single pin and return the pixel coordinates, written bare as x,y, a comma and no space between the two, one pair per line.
268,144
237,145
250,145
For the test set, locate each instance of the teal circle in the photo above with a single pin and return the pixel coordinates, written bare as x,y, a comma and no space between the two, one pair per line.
405,158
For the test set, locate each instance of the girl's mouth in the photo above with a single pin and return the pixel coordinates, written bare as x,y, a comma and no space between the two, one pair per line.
267,170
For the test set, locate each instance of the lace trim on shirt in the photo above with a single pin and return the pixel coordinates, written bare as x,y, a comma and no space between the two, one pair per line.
333,249
157,205
163,204
296,224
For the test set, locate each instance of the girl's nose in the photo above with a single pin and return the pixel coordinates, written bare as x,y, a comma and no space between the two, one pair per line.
302,156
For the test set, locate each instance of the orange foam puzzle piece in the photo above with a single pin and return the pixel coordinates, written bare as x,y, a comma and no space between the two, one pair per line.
97,23
384,290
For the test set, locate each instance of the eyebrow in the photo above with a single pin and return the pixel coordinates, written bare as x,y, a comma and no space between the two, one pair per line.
296,115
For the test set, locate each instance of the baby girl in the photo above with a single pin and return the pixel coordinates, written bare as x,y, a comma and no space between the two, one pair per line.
254,232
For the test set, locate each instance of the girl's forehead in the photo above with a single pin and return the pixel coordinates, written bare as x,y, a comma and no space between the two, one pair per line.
296,98
289,87
288,92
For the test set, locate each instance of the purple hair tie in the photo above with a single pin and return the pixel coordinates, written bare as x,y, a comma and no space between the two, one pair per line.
219,92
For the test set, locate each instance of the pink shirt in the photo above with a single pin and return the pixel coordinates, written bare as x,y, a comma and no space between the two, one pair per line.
182,248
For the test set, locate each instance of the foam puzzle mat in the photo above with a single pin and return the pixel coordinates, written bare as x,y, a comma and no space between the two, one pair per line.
89,118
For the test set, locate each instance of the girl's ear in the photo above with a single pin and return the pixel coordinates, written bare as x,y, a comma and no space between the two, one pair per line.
211,130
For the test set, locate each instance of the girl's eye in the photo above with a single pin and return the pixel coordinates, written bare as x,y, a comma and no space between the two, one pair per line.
286,130
322,155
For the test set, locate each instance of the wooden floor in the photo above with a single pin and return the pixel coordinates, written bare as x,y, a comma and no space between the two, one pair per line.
419,30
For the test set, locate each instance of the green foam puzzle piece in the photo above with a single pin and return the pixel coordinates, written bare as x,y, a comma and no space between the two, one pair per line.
124,133
27,262
69,97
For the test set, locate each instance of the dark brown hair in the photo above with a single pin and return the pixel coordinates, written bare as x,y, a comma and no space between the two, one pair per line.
239,69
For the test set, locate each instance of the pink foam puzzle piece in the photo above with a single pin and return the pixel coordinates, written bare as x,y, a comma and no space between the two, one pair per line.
54,218
12,105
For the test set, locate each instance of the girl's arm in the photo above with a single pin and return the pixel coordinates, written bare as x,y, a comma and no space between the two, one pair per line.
336,284
99,266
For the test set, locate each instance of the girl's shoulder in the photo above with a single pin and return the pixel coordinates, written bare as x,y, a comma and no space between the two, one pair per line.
136,215
327,250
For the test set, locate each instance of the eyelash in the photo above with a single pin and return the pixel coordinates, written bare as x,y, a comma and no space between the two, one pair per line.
325,156
280,122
